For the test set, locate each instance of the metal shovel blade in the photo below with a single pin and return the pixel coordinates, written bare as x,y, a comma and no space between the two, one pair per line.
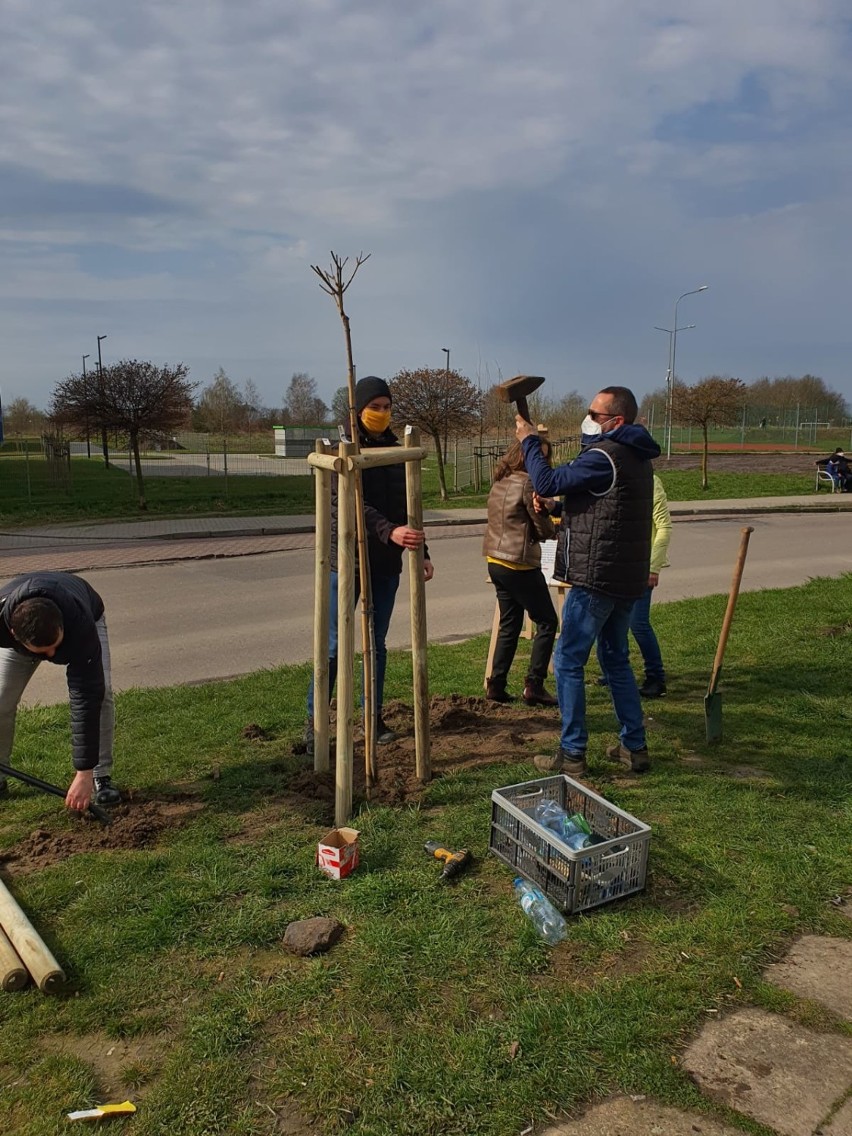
713,699
713,716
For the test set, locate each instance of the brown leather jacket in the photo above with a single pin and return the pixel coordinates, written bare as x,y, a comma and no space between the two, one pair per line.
515,529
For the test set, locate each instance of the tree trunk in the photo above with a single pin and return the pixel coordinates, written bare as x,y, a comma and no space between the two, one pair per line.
137,461
704,458
442,475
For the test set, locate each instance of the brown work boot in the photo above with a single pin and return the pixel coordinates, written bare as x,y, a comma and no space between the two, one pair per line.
636,760
574,764
496,692
536,695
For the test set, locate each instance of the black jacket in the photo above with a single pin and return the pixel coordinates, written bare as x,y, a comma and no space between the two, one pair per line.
385,508
609,534
79,651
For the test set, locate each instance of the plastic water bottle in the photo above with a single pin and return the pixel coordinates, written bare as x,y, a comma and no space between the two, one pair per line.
573,830
540,911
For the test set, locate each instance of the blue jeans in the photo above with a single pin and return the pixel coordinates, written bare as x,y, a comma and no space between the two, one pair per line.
588,616
384,597
643,633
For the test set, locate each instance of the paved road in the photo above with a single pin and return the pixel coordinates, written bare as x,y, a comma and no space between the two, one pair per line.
191,620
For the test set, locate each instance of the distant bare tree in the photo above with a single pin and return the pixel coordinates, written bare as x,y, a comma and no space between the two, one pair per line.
714,401
253,409
301,400
21,417
441,403
220,408
340,405
132,397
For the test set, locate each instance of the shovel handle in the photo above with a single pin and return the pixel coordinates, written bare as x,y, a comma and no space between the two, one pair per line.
729,610
29,779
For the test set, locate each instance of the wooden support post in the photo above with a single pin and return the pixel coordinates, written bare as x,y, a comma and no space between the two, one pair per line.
386,455
13,973
419,642
345,637
322,459
46,971
322,600
492,646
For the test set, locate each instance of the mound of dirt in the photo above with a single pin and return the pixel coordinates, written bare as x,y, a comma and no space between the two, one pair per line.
464,732
137,823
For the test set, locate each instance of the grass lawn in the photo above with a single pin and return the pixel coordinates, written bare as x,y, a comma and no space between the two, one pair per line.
96,493
440,1011
99,494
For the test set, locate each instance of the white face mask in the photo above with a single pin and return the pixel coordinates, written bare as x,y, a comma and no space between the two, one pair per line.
589,427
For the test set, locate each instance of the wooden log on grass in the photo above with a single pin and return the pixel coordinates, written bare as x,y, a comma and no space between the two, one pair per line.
419,645
322,599
13,973
46,971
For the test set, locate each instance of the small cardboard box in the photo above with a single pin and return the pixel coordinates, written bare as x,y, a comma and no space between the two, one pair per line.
337,853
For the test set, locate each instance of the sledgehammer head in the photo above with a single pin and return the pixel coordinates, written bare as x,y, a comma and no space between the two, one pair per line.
516,390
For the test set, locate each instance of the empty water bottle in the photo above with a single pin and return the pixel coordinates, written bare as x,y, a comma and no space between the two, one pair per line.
540,911
574,830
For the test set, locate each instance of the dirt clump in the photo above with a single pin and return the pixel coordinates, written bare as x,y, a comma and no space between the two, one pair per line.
254,733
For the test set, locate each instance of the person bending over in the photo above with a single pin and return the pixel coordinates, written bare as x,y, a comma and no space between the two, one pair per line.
59,617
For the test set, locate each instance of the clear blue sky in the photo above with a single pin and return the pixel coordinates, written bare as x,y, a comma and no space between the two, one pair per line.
537,183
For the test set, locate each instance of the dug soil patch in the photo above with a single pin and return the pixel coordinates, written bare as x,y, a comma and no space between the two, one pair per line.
465,732
139,823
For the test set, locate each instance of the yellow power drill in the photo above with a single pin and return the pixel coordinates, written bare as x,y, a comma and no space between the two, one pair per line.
454,862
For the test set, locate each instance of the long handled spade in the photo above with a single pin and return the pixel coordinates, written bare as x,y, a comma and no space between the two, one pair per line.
713,699
7,771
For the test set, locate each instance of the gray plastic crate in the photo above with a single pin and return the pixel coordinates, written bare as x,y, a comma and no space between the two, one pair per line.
572,881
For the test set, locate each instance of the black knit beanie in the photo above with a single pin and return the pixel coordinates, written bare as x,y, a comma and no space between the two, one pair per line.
368,388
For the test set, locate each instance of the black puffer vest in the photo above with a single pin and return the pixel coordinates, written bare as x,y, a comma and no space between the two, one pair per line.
608,536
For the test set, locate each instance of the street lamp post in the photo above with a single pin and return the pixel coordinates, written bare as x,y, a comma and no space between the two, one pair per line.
104,445
446,351
670,378
667,419
86,396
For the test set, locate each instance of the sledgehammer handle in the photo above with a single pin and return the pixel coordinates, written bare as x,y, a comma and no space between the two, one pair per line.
6,770
523,409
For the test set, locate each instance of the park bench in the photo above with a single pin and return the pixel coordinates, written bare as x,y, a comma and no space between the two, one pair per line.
823,477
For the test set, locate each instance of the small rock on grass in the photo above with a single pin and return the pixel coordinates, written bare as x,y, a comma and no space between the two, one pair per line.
312,936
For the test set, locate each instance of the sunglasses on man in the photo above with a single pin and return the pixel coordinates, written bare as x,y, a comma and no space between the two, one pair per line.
600,415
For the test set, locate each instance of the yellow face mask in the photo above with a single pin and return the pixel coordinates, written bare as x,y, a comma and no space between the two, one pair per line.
376,421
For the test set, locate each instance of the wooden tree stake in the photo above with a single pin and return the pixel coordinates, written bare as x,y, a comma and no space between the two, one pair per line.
419,658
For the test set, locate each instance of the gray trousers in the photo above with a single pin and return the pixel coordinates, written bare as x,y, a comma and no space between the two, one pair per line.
17,670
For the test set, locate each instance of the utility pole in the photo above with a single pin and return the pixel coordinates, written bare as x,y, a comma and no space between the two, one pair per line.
446,351
104,445
86,396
